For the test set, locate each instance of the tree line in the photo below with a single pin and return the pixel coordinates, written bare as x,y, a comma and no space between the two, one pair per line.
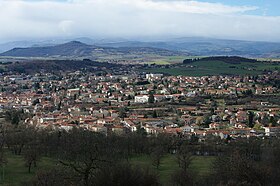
226,59
86,158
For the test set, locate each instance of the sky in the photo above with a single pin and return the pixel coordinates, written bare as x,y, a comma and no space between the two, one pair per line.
228,19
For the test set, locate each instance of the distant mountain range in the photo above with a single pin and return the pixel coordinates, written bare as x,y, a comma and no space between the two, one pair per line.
86,47
210,47
76,49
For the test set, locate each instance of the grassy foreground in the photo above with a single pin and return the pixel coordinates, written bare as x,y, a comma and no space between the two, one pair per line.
15,172
201,165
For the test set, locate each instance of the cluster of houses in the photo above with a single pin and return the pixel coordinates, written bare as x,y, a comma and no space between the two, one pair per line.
177,105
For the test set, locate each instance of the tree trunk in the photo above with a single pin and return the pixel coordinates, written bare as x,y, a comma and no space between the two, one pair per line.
29,167
86,179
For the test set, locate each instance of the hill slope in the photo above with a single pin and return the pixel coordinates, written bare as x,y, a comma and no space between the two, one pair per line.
76,49
221,65
207,46
73,48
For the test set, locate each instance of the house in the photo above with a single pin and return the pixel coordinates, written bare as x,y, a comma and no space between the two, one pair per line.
240,125
214,126
141,99
187,129
159,97
73,92
154,76
129,124
272,131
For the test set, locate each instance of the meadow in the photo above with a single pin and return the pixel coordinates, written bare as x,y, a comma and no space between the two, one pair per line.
15,172
216,68
200,166
161,60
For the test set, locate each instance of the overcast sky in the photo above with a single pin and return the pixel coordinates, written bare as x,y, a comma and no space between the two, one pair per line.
232,19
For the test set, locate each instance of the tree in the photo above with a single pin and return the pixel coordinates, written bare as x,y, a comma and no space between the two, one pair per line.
32,150
3,159
151,98
247,92
184,157
122,112
257,126
55,176
35,102
199,121
157,155
17,138
182,178
272,121
125,174
141,131
31,155
251,116
206,121
154,114
15,116
85,152
241,165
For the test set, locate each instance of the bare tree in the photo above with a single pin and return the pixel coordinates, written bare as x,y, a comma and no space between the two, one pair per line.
85,152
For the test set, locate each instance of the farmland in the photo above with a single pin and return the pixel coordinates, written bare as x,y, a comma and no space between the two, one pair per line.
216,68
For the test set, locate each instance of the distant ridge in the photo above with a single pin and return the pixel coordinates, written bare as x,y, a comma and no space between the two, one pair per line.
208,46
74,49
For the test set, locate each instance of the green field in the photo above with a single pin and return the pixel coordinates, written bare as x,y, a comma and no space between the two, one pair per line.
15,172
201,165
161,60
217,68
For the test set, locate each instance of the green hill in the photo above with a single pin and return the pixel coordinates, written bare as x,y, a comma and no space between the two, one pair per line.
217,66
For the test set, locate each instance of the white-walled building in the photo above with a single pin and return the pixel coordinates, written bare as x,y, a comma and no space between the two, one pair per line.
141,99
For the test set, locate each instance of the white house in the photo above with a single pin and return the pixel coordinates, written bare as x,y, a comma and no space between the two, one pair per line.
272,131
187,129
141,99
154,76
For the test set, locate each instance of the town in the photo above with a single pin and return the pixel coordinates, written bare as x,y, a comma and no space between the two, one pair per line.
139,93
223,106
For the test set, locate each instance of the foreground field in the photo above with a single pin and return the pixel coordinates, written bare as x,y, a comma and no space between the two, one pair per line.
217,68
15,172
201,166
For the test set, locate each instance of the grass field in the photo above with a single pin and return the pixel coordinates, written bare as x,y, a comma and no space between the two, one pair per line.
162,60
201,165
15,172
217,68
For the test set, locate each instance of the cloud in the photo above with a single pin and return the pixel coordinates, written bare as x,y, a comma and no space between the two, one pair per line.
132,18
190,6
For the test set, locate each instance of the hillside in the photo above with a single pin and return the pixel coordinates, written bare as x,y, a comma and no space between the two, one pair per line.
220,65
73,48
198,46
225,59
76,49
34,66
206,46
